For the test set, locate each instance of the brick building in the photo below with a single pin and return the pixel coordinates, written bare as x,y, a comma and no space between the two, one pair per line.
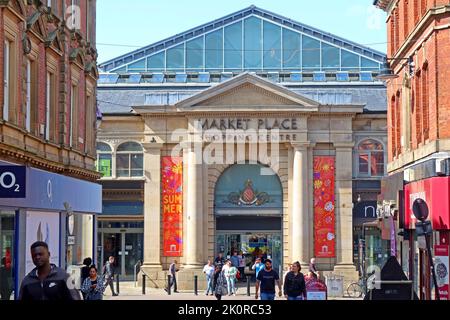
418,117
47,130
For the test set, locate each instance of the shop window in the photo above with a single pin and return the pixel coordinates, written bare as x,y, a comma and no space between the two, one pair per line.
130,160
371,158
104,159
6,255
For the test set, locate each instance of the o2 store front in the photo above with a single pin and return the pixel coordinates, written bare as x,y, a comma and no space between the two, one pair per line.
48,207
436,193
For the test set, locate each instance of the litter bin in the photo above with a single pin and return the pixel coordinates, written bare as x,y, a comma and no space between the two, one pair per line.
335,285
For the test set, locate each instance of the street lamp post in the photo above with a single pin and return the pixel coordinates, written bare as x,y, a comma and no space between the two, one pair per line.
424,228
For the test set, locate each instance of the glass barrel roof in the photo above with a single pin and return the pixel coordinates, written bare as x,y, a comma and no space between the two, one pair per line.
252,44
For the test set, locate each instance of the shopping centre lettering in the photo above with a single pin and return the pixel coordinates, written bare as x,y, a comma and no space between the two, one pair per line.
246,124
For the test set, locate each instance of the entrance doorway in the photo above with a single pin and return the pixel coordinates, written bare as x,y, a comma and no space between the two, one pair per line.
248,207
264,244
125,245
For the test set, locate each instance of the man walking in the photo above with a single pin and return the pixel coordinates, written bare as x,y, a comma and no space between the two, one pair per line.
46,281
173,272
108,271
266,281
208,270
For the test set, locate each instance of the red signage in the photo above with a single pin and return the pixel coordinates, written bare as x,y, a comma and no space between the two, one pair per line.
172,204
435,191
441,267
324,207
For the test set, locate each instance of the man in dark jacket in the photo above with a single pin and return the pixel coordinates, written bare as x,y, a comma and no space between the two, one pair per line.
46,281
109,273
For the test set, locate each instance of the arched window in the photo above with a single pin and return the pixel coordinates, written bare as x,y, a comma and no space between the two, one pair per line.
130,160
104,159
371,158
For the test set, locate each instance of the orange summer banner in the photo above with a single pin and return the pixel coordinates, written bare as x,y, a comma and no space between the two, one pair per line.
172,204
324,207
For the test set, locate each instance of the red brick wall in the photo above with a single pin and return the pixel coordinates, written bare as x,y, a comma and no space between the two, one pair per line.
63,78
430,87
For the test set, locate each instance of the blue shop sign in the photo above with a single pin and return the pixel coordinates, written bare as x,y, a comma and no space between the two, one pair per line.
12,182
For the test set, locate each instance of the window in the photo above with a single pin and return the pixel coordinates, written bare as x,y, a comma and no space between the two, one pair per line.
405,19
425,104
291,49
6,80
214,51
233,47
28,98
73,117
48,106
90,123
175,58
130,160
104,159
330,57
252,43
349,61
311,54
272,46
194,54
371,158
157,62
418,107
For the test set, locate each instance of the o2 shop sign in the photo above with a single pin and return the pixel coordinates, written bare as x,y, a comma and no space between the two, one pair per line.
12,182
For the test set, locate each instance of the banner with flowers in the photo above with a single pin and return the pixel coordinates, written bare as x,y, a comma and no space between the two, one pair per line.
324,207
172,205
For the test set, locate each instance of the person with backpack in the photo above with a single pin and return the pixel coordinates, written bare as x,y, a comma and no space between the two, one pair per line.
294,287
220,283
93,286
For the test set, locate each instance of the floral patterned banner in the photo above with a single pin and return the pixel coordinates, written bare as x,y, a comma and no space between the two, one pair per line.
172,204
324,206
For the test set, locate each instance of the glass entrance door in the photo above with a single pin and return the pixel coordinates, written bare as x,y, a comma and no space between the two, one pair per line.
265,245
127,247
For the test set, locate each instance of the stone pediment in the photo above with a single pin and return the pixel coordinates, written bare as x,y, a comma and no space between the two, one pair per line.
247,91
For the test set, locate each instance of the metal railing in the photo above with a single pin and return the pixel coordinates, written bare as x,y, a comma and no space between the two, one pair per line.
138,264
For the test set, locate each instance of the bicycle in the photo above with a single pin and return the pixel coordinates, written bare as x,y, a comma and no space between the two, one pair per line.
359,289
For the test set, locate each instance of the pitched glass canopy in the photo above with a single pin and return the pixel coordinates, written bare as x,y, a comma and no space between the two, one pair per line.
252,44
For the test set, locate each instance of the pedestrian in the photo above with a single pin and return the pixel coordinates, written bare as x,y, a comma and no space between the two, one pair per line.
109,274
220,287
208,270
93,286
220,260
173,279
87,262
241,266
46,281
230,274
266,280
6,287
313,269
258,266
294,283
235,259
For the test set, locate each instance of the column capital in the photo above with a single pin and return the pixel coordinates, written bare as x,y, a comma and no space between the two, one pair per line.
344,145
152,145
302,145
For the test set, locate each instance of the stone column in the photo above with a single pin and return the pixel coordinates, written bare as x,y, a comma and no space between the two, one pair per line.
344,212
152,206
194,208
300,199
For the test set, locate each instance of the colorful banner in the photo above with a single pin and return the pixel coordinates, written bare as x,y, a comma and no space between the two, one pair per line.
324,211
441,267
172,204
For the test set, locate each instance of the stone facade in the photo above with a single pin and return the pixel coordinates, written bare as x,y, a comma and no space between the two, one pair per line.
313,130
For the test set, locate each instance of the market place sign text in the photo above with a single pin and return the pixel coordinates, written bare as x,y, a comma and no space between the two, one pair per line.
246,124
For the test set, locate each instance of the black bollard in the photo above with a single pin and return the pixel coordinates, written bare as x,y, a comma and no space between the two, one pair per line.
168,284
248,285
196,285
117,285
143,284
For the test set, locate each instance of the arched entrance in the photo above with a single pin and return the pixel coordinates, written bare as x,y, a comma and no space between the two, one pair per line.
248,208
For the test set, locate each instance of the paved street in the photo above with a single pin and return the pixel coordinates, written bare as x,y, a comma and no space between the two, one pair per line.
129,292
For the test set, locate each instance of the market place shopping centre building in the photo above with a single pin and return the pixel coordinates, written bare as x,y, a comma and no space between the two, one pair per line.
265,83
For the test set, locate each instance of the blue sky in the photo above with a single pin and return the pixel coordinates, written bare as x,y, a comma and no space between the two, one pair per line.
124,26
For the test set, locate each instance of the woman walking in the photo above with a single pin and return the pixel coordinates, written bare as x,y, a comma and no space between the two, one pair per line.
294,283
220,281
93,287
